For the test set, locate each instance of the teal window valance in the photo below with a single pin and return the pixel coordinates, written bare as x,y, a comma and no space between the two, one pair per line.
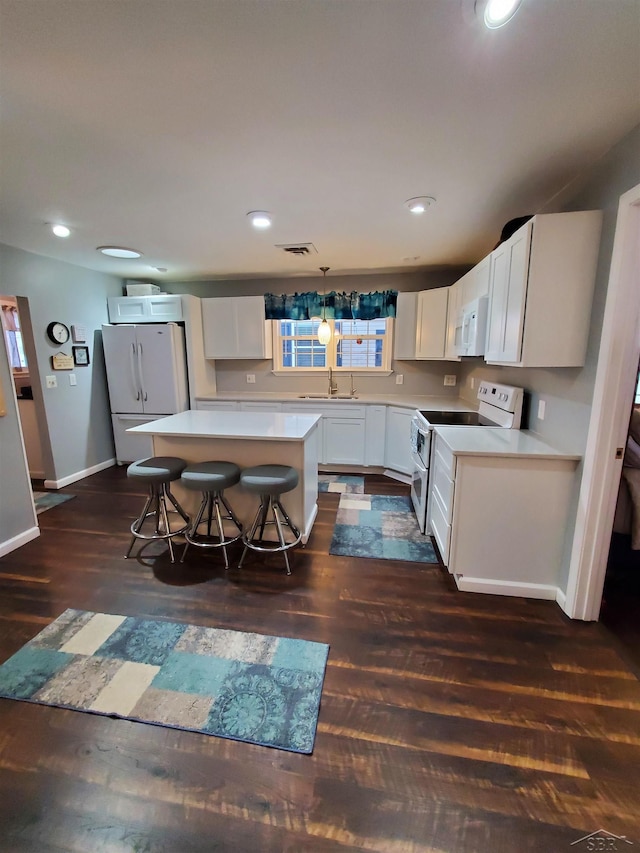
335,306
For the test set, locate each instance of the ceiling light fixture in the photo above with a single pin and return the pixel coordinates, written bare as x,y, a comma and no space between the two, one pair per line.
497,13
119,252
419,204
260,218
324,329
60,230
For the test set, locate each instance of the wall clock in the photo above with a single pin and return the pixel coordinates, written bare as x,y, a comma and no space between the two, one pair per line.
57,333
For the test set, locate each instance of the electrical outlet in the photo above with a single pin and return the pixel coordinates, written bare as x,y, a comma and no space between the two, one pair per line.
472,382
251,378
399,379
541,409
52,381
449,379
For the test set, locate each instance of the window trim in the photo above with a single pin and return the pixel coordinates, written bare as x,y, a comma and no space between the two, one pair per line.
383,370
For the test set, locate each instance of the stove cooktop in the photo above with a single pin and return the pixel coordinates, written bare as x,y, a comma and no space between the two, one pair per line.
454,418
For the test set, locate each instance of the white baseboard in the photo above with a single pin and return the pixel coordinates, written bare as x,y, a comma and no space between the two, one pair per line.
79,475
19,540
499,587
561,598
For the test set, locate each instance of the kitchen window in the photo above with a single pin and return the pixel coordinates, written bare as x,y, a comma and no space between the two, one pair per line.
362,346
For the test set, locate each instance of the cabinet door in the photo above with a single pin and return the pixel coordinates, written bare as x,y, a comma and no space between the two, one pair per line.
404,331
220,328
432,323
454,305
235,327
344,440
121,360
375,429
398,440
509,276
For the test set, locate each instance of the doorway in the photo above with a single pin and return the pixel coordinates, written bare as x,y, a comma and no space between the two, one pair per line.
620,608
15,321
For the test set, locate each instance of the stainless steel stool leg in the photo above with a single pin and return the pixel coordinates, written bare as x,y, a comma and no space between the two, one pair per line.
194,526
283,544
254,527
138,524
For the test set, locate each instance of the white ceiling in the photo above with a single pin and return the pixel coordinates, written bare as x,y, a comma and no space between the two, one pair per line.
158,124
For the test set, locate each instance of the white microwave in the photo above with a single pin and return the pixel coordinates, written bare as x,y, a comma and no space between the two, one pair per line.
471,327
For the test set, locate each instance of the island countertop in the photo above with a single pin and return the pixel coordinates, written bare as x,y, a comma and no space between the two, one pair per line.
266,426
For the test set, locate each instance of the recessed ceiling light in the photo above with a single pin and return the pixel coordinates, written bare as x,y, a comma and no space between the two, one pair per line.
60,230
119,252
497,13
260,218
419,204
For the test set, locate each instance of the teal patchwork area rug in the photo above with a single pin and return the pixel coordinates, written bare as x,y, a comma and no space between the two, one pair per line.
380,526
45,500
249,687
340,483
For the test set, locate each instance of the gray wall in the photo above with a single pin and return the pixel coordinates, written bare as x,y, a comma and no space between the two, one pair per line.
77,417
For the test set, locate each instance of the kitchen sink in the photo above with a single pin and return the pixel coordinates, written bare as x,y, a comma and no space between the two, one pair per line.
327,397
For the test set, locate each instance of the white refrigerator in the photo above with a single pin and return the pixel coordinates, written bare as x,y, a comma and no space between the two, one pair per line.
147,378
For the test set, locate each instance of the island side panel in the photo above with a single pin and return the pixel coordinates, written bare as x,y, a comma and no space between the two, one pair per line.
300,503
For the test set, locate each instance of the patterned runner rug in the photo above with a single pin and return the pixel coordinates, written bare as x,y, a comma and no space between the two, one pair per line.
380,526
341,483
249,687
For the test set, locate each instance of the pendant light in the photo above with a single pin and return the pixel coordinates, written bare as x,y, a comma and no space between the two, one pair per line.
324,329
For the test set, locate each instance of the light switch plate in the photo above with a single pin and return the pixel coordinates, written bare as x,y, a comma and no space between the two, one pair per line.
399,379
72,379
541,409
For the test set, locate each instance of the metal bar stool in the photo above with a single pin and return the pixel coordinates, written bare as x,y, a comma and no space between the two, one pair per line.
157,472
211,478
269,482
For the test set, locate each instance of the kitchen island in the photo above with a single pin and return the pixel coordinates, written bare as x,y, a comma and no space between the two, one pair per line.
248,439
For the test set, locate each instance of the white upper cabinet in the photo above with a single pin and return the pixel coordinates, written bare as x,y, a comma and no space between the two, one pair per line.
404,333
235,327
160,308
454,306
431,332
541,289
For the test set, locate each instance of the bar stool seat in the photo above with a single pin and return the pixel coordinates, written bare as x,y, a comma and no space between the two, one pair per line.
157,472
269,482
211,478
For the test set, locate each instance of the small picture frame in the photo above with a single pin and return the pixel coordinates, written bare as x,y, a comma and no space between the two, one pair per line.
79,334
80,355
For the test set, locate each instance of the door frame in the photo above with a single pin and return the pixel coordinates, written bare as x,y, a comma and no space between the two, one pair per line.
615,383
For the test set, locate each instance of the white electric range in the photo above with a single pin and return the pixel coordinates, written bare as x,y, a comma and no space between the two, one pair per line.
499,406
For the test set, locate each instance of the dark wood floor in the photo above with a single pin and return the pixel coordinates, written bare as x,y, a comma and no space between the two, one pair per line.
449,721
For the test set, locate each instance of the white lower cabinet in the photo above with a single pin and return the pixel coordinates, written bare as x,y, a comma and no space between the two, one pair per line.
216,406
397,454
251,406
344,439
500,521
374,434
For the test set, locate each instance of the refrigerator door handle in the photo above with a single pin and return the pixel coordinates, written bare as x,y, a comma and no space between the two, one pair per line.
134,378
141,372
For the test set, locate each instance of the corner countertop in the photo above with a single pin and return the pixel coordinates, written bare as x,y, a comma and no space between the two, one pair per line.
265,426
403,401
494,441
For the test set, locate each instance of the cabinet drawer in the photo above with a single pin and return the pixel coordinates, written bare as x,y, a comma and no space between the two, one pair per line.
260,407
440,528
444,458
216,406
442,486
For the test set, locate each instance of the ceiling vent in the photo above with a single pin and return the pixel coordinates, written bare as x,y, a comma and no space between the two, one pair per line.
298,248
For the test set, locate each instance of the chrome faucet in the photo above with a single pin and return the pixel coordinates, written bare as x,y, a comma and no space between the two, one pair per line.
333,388
352,392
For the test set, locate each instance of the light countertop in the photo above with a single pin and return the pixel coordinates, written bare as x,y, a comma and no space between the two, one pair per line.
494,441
408,401
266,426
